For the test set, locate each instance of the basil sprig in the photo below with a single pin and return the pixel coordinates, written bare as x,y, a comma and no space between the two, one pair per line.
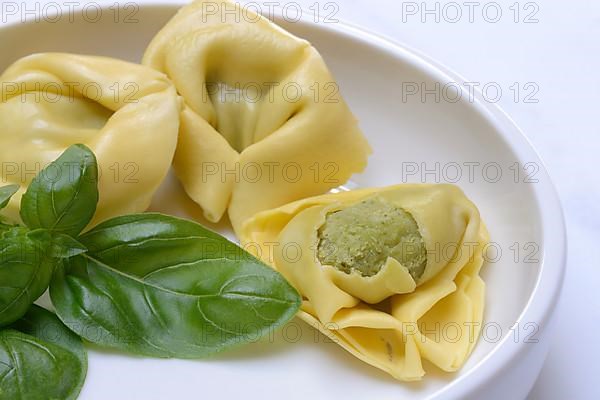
147,284
40,358
58,204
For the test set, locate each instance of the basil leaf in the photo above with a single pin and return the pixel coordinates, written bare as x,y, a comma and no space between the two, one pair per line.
63,196
41,359
25,272
6,192
61,245
157,285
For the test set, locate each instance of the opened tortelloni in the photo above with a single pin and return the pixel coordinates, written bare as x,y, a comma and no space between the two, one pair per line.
126,113
391,273
263,122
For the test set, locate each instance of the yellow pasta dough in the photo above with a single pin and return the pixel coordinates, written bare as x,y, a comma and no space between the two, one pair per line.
263,122
389,320
127,114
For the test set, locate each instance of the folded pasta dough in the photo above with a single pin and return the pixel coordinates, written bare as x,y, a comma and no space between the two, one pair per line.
263,122
391,319
126,113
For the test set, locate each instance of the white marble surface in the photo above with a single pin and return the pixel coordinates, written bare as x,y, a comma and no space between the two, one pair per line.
560,56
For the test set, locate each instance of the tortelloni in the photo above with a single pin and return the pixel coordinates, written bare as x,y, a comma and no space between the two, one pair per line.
392,274
127,114
263,122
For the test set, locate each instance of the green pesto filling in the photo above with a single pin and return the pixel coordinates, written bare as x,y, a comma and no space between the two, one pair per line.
362,237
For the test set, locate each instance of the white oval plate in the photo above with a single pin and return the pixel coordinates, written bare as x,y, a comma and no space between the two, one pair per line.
435,138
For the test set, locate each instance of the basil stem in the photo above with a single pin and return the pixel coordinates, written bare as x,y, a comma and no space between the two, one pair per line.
60,245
